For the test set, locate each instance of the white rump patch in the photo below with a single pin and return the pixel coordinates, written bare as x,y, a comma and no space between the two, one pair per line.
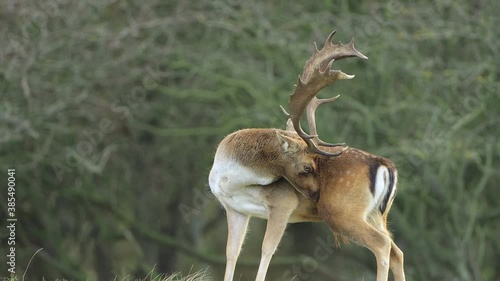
381,186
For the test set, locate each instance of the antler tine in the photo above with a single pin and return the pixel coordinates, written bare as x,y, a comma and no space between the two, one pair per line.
317,75
289,124
311,119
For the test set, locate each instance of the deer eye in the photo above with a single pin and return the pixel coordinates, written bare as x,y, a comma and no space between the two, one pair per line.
308,169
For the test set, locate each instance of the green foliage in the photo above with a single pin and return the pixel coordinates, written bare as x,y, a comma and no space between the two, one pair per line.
111,112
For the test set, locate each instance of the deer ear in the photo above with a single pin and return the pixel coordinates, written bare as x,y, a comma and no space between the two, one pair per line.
288,145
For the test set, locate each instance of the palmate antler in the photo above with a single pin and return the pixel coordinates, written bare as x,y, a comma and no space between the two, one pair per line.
317,75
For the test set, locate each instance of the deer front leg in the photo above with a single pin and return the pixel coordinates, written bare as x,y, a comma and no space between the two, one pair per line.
276,224
237,225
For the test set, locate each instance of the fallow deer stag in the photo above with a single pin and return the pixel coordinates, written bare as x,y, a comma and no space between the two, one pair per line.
265,173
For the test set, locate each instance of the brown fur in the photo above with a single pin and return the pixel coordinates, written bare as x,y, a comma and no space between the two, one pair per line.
345,187
344,184
349,198
261,151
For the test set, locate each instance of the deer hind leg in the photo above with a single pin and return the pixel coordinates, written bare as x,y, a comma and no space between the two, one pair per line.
361,232
351,223
396,263
378,242
237,227
396,256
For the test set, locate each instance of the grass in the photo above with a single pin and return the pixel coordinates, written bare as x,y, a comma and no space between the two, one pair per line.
201,275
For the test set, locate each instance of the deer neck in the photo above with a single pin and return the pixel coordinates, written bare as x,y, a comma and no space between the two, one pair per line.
257,149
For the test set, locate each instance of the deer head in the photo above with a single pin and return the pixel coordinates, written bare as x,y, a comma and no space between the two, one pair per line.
299,166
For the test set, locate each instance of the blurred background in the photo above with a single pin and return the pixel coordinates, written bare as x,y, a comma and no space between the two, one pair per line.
111,111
